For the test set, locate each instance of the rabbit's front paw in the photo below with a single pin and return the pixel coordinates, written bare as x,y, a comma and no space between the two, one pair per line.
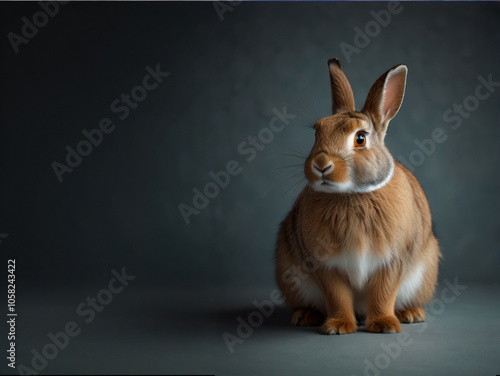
387,324
338,326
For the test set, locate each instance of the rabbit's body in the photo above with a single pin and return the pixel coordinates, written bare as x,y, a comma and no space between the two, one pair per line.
359,238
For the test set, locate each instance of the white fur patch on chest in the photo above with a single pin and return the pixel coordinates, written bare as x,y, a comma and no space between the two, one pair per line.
358,267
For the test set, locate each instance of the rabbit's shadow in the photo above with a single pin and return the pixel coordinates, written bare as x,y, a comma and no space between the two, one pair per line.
205,318
240,319
275,318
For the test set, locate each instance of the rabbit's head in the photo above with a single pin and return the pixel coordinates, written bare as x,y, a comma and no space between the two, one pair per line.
349,155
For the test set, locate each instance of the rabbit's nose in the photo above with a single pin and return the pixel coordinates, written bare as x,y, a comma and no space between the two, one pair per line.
324,170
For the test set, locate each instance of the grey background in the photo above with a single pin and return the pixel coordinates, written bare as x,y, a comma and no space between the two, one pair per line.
119,208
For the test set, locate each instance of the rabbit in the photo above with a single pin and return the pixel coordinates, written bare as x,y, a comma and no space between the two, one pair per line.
358,242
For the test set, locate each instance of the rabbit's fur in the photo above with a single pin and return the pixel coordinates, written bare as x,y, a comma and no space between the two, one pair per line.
358,241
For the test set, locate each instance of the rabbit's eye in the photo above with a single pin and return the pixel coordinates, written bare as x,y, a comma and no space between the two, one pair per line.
360,139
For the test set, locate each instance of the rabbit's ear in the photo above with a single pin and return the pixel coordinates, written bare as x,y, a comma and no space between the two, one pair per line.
385,96
342,97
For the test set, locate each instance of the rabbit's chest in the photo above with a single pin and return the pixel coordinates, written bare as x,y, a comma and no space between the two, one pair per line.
358,267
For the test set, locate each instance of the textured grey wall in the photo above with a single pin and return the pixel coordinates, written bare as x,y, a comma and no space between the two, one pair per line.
119,207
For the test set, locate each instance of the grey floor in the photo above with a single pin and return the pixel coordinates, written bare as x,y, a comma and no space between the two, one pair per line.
181,332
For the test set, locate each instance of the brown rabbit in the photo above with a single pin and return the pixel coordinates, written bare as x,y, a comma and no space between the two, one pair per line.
359,239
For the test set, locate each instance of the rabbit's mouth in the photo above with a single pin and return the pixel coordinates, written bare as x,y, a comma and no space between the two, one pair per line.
327,182
328,186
